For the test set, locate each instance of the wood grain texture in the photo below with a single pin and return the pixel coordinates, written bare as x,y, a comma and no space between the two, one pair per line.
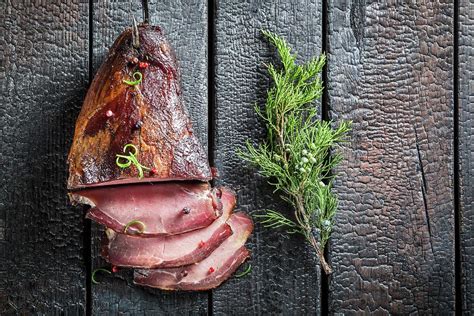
43,76
466,150
185,23
391,72
285,278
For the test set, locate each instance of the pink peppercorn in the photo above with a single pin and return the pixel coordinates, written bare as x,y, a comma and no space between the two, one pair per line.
143,65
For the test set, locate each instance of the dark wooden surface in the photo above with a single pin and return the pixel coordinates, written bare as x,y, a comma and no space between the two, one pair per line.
43,79
466,150
391,73
392,69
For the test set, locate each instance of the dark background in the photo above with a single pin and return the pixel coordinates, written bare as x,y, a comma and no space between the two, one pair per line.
402,72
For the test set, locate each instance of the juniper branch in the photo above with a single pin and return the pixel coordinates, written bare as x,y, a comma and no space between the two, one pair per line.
298,155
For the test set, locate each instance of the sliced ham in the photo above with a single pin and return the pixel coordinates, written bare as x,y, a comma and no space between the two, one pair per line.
210,272
169,251
150,115
164,209
136,161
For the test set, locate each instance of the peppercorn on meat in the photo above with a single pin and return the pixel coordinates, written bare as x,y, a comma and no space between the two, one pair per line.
135,160
168,208
169,251
135,99
210,272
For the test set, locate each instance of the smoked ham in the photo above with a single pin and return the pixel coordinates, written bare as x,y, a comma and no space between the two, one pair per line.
210,272
169,251
136,162
167,208
150,115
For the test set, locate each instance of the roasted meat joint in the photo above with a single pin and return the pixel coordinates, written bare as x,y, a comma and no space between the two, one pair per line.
136,162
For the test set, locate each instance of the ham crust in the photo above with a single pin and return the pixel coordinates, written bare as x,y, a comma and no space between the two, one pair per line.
150,115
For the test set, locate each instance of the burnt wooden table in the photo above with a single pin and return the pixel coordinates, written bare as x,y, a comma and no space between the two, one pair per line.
404,239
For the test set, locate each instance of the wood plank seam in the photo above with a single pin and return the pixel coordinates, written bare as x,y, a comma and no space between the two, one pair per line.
211,105
459,295
87,222
325,115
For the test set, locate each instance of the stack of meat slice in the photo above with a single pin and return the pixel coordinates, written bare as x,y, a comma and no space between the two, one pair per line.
136,162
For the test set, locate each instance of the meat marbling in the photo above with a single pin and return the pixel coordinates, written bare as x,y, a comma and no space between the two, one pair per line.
166,208
169,251
210,272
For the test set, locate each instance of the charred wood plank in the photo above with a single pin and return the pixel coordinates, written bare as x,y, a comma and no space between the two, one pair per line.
391,73
286,275
466,151
43,78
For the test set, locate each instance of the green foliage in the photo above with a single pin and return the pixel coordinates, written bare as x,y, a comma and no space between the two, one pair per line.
296,157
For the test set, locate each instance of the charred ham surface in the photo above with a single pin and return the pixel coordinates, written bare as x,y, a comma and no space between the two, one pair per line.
150,115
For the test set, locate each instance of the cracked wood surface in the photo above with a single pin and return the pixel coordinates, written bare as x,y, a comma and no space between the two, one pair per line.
185,26
466,150
43,78
285,278
391,72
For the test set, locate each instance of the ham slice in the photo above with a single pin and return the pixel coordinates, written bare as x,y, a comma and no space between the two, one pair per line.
210,272
164,209
150,115
169,251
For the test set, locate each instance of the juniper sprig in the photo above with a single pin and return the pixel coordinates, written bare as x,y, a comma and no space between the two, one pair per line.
297,157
